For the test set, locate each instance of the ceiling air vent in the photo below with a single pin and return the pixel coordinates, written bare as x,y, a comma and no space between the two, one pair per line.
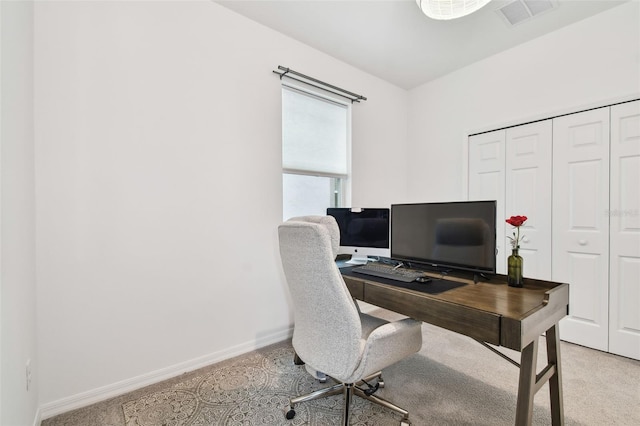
518,11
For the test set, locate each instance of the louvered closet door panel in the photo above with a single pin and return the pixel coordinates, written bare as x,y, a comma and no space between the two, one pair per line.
486,181
581,223
624,212
528,193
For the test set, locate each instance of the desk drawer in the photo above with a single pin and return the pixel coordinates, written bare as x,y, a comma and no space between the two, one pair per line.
477,324
356,287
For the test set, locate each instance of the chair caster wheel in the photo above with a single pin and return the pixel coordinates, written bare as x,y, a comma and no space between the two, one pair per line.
290,414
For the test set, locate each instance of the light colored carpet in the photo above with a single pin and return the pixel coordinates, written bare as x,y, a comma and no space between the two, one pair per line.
451,381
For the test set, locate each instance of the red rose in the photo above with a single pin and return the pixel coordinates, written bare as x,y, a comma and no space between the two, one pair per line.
516,220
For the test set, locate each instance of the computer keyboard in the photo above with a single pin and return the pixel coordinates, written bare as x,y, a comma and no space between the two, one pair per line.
384,270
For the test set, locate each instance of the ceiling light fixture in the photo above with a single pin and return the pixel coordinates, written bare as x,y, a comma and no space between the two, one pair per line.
449,9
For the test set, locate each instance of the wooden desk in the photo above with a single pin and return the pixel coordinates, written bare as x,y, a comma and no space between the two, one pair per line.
490,312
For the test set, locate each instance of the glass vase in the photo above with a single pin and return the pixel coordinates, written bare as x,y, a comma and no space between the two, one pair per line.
514,269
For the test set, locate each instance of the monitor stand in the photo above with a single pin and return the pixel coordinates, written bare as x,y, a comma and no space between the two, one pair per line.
357,260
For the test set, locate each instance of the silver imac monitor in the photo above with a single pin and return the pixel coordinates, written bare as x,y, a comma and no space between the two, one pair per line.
364,232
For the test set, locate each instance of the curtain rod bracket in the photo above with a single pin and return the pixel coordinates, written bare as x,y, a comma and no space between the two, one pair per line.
286,71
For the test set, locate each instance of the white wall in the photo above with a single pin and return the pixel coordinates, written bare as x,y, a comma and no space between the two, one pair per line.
158,180
594,60
18,283
158,172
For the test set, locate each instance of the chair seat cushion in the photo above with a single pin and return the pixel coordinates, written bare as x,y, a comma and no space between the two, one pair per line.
370,323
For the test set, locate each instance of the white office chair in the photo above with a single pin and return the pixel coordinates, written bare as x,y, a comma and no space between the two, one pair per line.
330,334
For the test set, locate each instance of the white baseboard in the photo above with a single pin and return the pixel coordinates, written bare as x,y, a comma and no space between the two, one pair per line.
103,393
38,418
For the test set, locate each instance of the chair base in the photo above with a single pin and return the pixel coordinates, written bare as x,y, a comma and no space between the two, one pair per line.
348,390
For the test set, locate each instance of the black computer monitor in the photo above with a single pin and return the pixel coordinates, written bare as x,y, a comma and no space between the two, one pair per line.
364,232
451,235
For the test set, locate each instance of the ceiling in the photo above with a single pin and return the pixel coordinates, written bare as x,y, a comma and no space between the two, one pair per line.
394,41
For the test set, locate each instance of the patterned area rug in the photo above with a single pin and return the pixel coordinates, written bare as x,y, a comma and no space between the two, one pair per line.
253,390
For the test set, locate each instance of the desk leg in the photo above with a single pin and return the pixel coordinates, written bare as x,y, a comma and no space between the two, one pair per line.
530,382
555,381
527,384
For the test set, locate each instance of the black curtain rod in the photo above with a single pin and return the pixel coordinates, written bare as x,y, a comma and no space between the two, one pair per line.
288,72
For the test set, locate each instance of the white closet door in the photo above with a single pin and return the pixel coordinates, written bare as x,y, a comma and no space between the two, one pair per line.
624,212
581,223
486,181
528,193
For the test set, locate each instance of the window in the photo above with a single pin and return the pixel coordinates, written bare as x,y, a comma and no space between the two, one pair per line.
316,134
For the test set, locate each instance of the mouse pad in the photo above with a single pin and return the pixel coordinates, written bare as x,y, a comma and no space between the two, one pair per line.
434,286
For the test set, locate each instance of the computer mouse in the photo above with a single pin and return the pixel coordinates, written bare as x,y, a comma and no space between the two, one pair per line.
423,279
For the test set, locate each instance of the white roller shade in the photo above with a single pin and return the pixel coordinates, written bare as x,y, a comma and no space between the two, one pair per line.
314,139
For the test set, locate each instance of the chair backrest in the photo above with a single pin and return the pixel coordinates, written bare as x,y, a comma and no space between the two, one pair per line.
327,332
